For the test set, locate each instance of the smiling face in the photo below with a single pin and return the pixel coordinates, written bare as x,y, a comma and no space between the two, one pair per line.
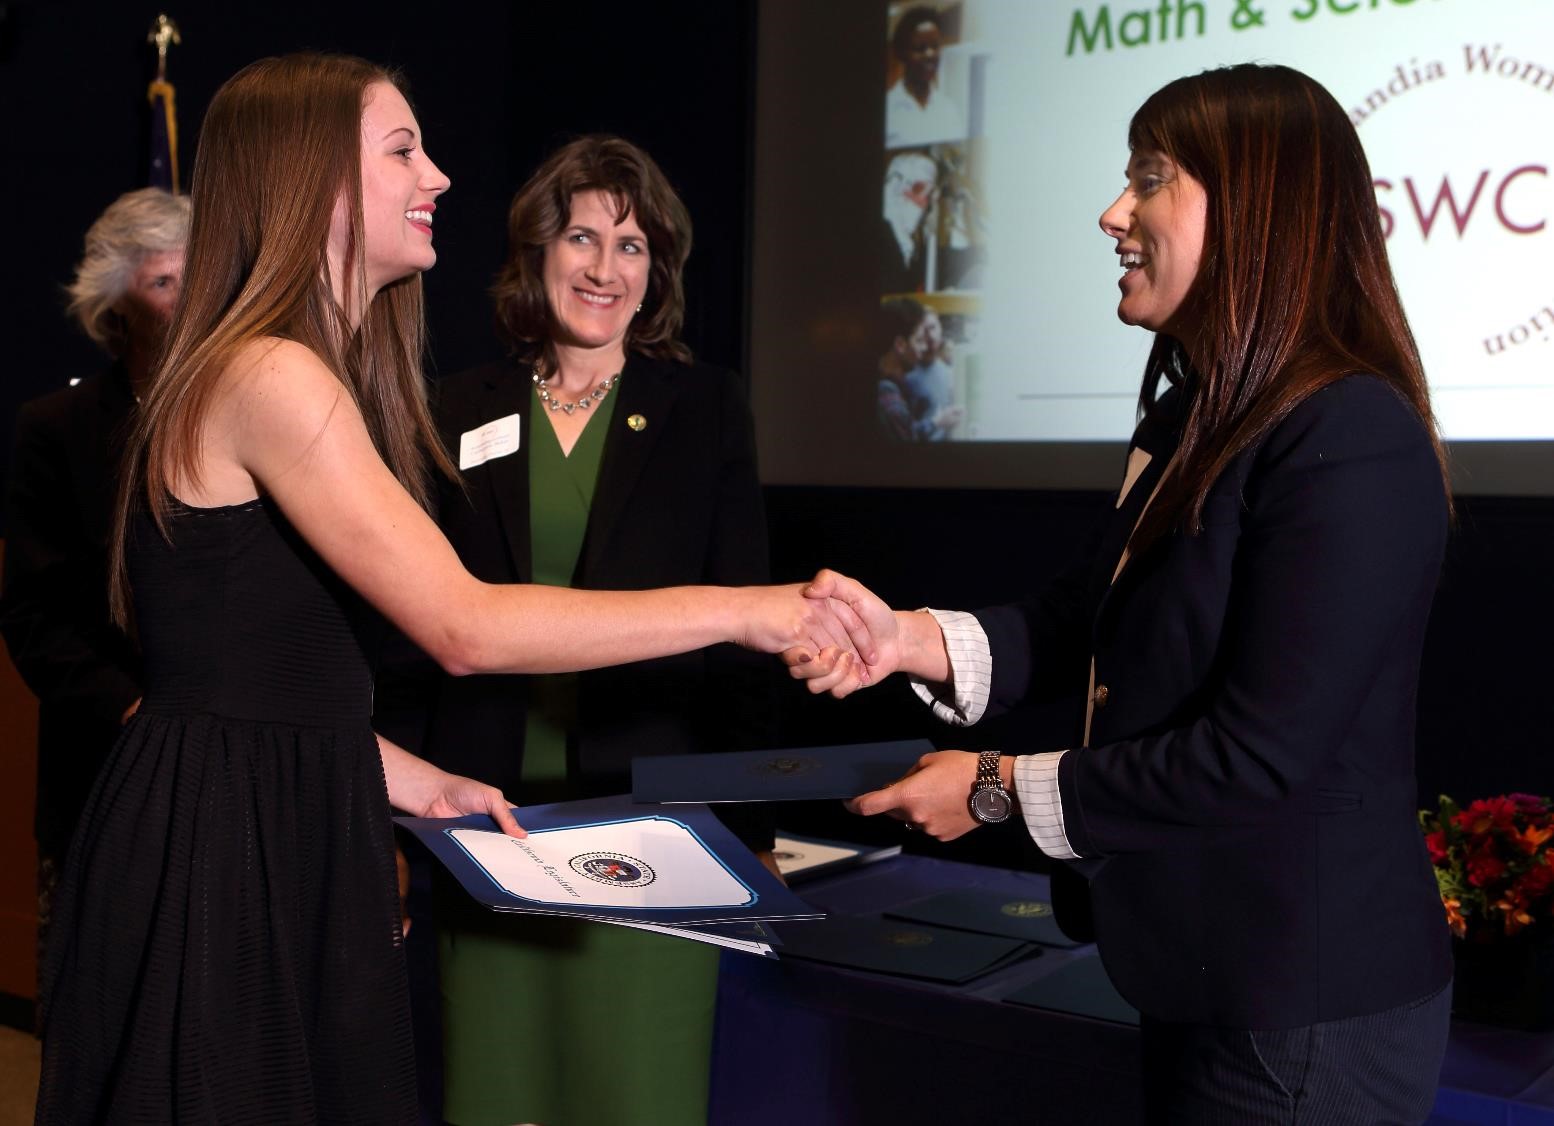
399,187
595,274
1159,222
922,54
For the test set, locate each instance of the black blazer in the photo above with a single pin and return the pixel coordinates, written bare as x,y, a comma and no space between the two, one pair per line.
1247,804
54,605
677,502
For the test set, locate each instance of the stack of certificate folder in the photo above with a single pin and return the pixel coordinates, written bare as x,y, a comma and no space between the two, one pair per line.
610,861
1081,987
891,946
952,937
804,858
988,912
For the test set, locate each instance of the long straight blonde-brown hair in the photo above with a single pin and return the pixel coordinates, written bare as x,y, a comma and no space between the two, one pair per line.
279,149
1294,290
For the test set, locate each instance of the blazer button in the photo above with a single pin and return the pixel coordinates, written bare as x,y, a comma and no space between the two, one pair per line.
1102,694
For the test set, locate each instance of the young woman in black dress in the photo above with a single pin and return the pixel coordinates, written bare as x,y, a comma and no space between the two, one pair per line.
228,936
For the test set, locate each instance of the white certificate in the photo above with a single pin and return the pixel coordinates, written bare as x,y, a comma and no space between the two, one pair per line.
647,862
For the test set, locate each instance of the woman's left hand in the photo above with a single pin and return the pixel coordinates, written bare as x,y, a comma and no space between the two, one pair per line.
459,796
933,796
421,789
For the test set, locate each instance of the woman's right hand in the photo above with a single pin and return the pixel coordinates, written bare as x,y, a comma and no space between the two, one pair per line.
837,672
793,621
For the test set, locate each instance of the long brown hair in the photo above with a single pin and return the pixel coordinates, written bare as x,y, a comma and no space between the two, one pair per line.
1294,290
540,212
280,145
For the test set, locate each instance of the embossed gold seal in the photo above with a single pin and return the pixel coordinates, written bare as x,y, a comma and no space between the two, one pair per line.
1026,909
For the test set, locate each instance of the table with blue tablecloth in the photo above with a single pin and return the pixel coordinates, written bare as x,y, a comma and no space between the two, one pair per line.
802,1042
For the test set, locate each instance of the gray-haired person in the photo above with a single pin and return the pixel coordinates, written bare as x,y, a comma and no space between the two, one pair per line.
63,478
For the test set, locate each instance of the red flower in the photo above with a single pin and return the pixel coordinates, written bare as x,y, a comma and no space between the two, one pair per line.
1538,880
1488,813
1484,867
1436,843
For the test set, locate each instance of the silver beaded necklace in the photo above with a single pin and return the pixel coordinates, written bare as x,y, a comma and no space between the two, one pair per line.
583,403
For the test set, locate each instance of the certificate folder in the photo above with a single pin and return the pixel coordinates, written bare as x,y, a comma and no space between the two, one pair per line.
607,860
1081,987
988,912
890,946
801,774
804,858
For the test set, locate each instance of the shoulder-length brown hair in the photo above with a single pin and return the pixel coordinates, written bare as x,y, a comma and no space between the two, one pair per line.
279,147
539,213
1294,290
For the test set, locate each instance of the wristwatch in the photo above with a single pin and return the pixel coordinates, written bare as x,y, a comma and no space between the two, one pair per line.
989,800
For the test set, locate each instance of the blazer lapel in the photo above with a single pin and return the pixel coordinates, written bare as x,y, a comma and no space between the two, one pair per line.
647,390
1121,528
507,478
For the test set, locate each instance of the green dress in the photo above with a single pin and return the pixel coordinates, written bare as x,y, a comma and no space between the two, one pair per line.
558,1022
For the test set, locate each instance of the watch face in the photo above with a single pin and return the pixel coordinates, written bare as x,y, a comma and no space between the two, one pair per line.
990,805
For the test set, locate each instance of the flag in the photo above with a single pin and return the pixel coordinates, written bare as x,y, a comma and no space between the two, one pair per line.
164,135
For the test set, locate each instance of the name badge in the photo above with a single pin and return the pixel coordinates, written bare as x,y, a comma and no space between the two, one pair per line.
497,438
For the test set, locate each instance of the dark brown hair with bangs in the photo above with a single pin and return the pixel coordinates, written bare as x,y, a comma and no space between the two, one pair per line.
280,145
540,212
1294,290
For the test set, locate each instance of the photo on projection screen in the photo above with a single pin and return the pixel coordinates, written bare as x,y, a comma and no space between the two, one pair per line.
990,141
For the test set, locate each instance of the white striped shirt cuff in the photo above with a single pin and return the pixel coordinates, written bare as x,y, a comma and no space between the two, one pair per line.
1036,785
971,670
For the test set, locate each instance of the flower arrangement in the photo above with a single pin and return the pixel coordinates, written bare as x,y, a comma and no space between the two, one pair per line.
1494,862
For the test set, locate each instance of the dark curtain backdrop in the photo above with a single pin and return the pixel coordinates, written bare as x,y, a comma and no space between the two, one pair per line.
496,86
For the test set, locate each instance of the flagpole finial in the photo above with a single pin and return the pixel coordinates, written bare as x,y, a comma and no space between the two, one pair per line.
163,34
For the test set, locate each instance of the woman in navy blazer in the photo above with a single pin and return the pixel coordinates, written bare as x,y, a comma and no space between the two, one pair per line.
1248,629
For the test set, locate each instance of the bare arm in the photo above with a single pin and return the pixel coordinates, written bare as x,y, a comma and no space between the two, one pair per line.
284,426
419,788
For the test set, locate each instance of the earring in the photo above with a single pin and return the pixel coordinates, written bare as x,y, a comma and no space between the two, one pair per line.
639,307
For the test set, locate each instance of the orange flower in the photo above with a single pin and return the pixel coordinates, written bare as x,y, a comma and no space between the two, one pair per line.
1516,916
1454,917
1533,836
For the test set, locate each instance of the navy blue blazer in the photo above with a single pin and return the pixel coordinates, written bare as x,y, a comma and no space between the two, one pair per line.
1246,806
677,502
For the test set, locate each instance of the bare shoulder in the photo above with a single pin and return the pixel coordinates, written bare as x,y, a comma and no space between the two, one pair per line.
270,366
273,386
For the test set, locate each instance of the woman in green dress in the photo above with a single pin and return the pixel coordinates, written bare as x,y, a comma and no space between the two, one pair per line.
598,456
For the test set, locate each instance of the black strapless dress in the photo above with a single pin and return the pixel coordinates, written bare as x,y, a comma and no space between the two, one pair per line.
226,944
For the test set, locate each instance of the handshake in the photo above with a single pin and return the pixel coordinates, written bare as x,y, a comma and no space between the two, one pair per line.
844,637
852,640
